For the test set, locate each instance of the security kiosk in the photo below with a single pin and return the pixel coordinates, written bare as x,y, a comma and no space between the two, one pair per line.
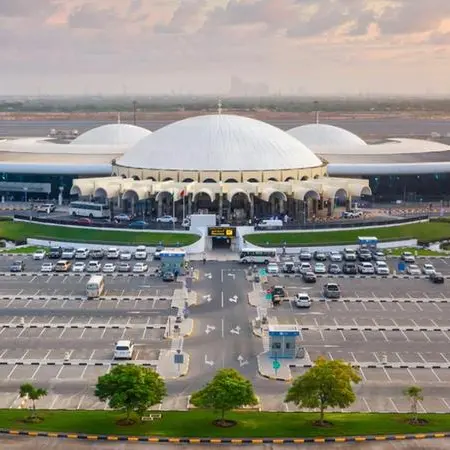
285,342
173,261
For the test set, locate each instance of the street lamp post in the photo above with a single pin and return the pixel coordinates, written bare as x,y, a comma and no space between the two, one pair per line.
25,190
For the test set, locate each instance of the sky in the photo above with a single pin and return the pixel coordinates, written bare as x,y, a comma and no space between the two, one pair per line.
310,47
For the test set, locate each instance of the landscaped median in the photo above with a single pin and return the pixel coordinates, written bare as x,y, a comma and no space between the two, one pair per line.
20,231
425,231
252,425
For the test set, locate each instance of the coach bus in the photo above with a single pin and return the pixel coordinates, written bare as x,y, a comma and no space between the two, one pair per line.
257,255
89,209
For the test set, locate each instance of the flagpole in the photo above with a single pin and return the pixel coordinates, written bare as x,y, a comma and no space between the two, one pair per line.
184,207
173,208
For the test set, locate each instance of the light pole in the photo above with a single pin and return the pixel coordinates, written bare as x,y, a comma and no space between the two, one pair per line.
134,112
25,190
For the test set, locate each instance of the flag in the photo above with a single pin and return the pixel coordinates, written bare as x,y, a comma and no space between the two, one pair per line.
182,193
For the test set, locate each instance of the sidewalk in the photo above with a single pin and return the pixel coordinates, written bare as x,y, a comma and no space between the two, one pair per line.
168,369
283,373
215,256
186,327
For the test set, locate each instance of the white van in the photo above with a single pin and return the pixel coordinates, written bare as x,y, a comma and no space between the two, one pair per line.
124,350
270,224
95,286
140,252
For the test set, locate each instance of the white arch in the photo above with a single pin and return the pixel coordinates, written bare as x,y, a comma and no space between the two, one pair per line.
82,190
206,191
304,193
141,194
365,190
237,191
172,192
333,191
266,194
107,191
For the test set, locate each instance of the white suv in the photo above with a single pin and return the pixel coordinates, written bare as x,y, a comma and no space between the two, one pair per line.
381,268
302,300
272,268
124,350
408,257
82,253
93,267
140,252
366,268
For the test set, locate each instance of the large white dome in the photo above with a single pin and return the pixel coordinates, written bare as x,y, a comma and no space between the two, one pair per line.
326,139
112,134
219,142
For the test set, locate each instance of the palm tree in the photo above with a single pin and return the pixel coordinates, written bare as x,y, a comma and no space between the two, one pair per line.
414,393
27,390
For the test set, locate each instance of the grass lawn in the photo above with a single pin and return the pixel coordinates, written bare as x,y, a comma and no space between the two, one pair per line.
420,251
23,250
421,231
18,231
198,423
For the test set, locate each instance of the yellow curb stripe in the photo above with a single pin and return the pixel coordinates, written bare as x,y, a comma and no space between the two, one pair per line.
92,438
52,434
13,432
72,436
236,441
419,436
257,441
133,438
215,441
112,438
278,441
439,435
400,437
380,438
299,441
153,440
194,441
319,440
32,433
360,439
340,439
174,440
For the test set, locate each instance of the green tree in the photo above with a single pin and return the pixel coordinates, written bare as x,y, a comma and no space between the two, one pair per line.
226,391
131,388
327,384
415,395
32,393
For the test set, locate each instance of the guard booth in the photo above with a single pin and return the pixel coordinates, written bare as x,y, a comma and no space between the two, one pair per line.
285,342
368,242
173,261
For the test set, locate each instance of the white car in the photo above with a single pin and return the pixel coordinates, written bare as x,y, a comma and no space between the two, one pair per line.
39,254
408,257
140,252
272,268
122,217
366,268
335,257
413,269
381,268
428,269
349,254
124,350
93,267
305,267
82,253
320,268
79,267
166,219
112,253
109,268
47,267
125,255
68,253
302,300
140,267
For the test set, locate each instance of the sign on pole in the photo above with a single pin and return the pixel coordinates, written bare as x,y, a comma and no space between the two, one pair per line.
276,365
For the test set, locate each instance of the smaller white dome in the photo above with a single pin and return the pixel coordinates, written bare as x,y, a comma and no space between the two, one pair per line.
326,139
112,134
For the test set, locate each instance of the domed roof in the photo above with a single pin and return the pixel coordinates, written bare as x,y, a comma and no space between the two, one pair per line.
112,134
325,138
219,142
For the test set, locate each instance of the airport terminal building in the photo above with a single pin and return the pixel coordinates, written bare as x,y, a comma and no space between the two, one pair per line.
201,157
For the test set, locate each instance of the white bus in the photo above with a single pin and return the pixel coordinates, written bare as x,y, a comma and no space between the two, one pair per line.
95,286
257,255
89,209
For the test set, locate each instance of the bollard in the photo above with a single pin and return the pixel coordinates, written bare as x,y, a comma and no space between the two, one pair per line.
66,356
384,359
22,321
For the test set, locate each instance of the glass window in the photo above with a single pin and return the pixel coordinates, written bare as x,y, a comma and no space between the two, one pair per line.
276,346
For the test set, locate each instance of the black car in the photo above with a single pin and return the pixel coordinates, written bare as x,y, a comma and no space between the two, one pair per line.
97,253
437,277
55,253
277,290
168,276
349,269
309,277
17,266
365,255
320,256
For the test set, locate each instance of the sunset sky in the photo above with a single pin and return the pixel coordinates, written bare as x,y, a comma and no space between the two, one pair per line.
197,46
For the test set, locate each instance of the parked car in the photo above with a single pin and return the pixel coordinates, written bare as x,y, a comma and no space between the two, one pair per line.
381,268
140,252
97,253
335,257
320,256
79,266
17,266
55,252
112,253
320,268
413,269
109,268
334,269
408,257
39,254
437,277
352,214
63,266
349,268
272,268
46,207
305,255
428,269
138,224
302,300
47,267
277,290
140,267
68,253
305,267
309,277
125,255
166,219
82,253
124,267
349,254
365,255
289,267
379,256
122,217
84,221
366,268
157,254
93,267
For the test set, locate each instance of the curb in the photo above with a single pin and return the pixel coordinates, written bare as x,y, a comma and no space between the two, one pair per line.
77,274
76,297
374,276
156,440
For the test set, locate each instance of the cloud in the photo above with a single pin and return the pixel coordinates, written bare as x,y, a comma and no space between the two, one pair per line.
183,17
89,17
27,8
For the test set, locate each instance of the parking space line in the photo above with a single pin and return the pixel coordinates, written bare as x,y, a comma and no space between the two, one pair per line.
436,375
330,356
42,332
3,352
343,336
54,401
405,336
81,335
387,375
393,403
417,305
21,332
411,375
11,372
400,306
420,356
363,375
46,303
384,335
103,334
364,306
399,357
80,402
62,332
367,404
419,403
49,278
434,323
426,335
363,335
46,356
10,303
35,372
445,334
445,359
27,303
445,403
63,304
